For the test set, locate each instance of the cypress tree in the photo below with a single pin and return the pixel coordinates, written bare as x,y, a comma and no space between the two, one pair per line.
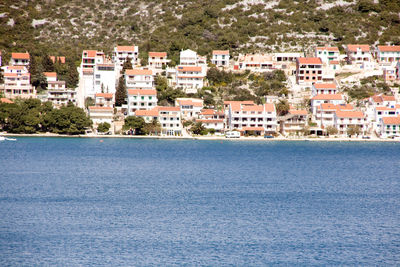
72,77
120,93
47,63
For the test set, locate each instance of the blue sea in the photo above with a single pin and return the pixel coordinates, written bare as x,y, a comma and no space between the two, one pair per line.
140,202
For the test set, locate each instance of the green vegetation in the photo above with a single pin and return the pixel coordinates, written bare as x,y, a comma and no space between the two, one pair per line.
330,130
67,27
103,127
137,126
369,86
32,116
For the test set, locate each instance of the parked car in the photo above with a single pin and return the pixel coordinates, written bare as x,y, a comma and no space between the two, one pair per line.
268,136
232,134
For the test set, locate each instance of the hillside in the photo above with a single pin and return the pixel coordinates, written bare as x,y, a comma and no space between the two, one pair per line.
65,27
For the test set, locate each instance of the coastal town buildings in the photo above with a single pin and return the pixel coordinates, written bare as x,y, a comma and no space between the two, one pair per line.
390,127
20,59
344,120
388,54
100,115
323,89
105,76
170,120
60,96
141,99
335,99
122,52
104,100
190,107
139,79
325,114
327,54
220,58
256,62
189,78
358,54
308,70
158,60
17,82
389,73
294,122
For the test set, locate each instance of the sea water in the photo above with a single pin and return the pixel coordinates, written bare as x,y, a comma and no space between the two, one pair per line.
129,202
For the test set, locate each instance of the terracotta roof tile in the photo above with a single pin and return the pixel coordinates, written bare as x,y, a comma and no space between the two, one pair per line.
157,54
391,120
389,48
138,72
328,97
142,92
20,55
310,60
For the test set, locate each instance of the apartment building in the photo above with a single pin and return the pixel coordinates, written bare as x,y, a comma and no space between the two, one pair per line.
327,54
105,76
17,82
220,58
190,107
256,62
170,120
148,115
101,114
358,54
217,124
139,79
325,114
188,58
189,78
323,89
345,119
50,76
141,99
257,119
20,59
207,114
121,53
308,70
389,74
104,100
390,127
388,54
158,60
90,58
60,96
294,122
335,99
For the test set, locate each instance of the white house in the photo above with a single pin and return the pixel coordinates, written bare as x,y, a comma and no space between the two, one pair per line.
170,120
158,60
358,54
101,114
388,54
247,118
121,53
190,107
104,100
20,59
316,101
188,58
216,124
148,115
189,78
256,62
327,54
346,119
325,113
141,99
90,59
60,96
50,76
139,79
220,58
308,70
17,82
323,88
390,127
294,122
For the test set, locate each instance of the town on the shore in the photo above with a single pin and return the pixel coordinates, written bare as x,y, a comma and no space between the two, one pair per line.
316,103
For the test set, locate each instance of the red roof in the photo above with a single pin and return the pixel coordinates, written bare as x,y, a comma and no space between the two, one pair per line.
157,54
100,108
5,100
391,120
310,60
190,103
20,55
328,48
90,53
138,72
252,129
298,112
15,67
388,98
164,108
125,48
142,92
207,112
153,112
328,97
105,95
353,48
50,74
334,62
349,114
189,68
61,59
389,48
220,52
324,85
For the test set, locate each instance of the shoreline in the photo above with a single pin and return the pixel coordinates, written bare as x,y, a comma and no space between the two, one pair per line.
209,138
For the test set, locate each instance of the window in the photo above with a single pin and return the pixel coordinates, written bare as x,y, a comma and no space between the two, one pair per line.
150,97
142,97
97,76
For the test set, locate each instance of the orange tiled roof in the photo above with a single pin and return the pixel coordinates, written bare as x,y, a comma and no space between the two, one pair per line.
324,85
252,129
16,67
328,48
389,48
90,53
153,112
20,55
310,60
298,112
349,114
388,98
50,74
105,95
125,48
391,120
328,97
138,72
207,112
164,108
220,52
157,54
5,100
142,92
353,48
190,103
189,68
100,108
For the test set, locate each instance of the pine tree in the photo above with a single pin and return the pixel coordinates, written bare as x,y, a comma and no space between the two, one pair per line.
72,77
127,65
47,63
121,94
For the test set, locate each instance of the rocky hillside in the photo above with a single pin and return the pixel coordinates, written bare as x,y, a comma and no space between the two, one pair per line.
65,27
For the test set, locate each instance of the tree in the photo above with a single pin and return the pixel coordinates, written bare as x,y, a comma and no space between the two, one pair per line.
353,130
1,76
198,128
47,63
154,127
72,77
136,124
121,93
103,127
282,108
330,130
127,65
